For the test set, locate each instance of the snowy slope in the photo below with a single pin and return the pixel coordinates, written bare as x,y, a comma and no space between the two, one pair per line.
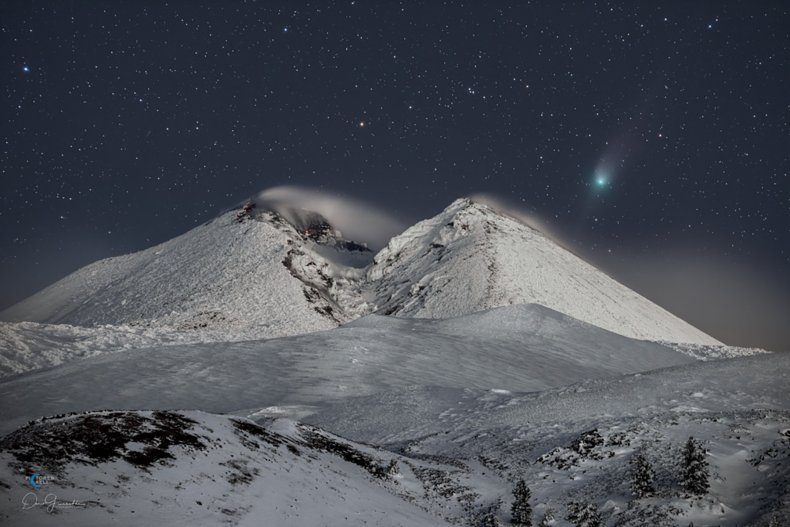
26,346
252,274
458,453
470,258
516,348
246,274
576,443
730,385
165,468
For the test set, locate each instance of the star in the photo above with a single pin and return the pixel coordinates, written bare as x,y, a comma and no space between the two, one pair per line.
26,68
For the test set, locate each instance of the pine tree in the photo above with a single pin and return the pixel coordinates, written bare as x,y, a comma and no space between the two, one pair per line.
392,468
548,519
521,511
642,476
694,471
490,520
584,515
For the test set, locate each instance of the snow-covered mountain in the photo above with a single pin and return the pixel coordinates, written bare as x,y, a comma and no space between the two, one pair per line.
236,399
253,273
471,257
248,273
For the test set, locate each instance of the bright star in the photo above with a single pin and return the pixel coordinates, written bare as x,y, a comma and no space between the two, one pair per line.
26,68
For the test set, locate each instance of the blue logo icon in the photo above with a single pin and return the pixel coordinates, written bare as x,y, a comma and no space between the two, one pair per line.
37,480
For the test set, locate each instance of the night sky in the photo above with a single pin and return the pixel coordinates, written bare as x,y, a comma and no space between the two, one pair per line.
652,137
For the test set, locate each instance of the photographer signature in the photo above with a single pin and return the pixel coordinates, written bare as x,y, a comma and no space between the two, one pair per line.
50,502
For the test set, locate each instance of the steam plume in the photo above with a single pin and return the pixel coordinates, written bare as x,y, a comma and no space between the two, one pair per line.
357,221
